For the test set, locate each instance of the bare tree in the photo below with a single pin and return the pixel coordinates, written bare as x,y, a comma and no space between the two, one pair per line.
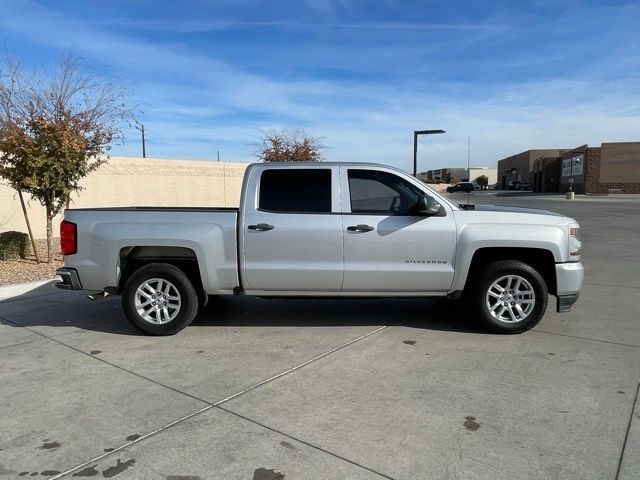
289,145
55,128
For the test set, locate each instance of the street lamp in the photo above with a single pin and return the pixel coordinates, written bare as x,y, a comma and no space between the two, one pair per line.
415,146
577,159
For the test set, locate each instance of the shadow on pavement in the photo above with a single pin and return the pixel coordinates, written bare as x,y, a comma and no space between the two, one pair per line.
425,313
46,308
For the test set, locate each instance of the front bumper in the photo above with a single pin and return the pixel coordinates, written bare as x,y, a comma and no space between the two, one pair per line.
70,279
569,280
565,302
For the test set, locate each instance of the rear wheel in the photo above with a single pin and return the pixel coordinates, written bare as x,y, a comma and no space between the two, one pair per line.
509,296
159,299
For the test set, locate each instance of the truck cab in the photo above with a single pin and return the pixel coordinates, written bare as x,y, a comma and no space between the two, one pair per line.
343,228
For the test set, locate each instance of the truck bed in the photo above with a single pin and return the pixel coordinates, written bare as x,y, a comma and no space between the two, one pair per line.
110,238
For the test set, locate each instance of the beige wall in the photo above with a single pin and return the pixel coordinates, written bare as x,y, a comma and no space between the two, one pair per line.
490,173
138,181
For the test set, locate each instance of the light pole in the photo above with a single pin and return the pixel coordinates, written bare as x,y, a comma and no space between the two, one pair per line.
415,146
578,160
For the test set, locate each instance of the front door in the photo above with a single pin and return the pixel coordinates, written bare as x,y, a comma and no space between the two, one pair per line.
292,231
387,247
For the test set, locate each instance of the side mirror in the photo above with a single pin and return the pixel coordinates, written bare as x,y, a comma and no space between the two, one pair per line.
427,206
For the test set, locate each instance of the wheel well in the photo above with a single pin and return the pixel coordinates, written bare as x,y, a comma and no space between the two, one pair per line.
132,258
540,259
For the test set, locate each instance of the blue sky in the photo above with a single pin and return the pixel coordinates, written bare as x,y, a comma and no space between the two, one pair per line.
361,74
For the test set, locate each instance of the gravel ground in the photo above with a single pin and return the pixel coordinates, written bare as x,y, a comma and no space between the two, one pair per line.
27,270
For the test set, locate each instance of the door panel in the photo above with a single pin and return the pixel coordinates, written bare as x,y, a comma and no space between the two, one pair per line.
388,247
291,239
400,254
301,252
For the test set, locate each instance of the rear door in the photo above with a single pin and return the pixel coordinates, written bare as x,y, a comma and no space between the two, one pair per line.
291,234
387,247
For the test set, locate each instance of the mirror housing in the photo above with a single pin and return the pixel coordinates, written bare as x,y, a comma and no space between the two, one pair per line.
427,206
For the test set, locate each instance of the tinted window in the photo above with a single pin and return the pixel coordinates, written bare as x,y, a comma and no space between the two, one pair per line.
296,190
378,192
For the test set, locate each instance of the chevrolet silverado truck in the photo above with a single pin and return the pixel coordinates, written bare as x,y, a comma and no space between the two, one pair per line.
325,230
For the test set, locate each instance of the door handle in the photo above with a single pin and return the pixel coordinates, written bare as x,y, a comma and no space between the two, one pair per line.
261,227
360,228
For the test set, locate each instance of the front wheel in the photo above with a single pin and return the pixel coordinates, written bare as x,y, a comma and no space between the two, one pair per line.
509,296
159,299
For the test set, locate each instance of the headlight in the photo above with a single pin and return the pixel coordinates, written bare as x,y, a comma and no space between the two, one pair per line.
575,243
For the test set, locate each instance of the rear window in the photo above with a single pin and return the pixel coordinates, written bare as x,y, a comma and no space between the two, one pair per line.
292,190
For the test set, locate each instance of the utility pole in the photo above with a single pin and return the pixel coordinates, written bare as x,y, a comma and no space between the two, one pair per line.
468,158
144,149
468,166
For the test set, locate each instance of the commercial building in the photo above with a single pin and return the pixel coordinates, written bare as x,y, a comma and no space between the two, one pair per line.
519,167
459,174
609,168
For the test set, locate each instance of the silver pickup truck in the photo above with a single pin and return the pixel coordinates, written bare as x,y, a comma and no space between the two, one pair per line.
325,229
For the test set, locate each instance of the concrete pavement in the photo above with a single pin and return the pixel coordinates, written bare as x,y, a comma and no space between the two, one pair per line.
328,389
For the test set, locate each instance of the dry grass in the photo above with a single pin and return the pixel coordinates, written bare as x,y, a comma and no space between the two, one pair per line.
27,270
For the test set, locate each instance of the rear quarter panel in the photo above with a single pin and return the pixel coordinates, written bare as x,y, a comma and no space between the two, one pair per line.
102,234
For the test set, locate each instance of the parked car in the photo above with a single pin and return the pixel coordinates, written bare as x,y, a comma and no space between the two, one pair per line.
516,185
325,229
461,187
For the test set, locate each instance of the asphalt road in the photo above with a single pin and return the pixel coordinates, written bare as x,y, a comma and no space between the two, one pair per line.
327,389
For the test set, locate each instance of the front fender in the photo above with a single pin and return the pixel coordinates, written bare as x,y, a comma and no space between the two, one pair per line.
476,236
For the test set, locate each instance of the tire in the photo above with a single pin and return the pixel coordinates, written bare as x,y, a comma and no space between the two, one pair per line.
176,300
523,311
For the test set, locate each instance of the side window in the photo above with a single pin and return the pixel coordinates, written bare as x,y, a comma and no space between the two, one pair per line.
304,190
377,192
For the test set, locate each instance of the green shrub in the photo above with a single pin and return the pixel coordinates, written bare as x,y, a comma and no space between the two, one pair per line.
14,245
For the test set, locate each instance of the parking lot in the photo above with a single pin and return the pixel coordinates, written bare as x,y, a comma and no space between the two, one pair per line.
271,389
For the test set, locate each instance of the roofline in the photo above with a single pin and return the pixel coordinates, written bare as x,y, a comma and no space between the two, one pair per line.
332,164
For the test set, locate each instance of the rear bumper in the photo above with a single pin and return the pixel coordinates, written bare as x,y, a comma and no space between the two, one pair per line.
70,279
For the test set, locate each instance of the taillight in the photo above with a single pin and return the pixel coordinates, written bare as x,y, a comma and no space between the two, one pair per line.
68,238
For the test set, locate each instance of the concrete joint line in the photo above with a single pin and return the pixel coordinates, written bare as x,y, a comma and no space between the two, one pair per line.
122,447
626,436
54,339
586,338
22,343
209,405
611,285
315,447
286,372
